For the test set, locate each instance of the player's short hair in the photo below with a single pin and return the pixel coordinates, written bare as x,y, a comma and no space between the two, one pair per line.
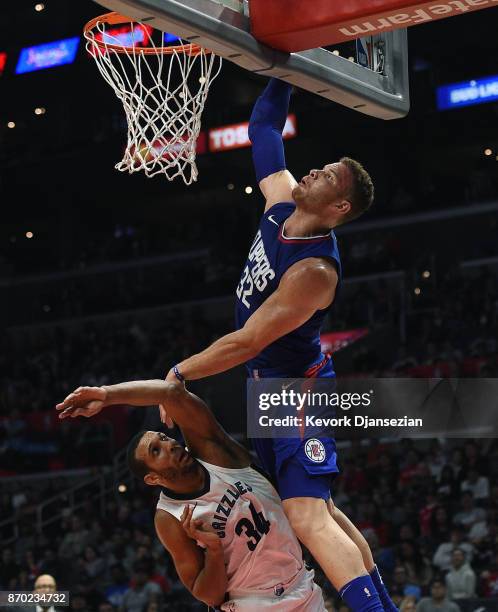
137,466
362,191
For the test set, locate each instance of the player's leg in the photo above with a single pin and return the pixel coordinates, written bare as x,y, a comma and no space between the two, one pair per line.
305,499
348,527
337,555
353,532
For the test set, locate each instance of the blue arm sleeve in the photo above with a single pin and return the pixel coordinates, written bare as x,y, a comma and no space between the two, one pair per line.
266,127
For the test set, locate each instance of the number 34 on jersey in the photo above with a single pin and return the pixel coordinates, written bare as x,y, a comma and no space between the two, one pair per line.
257,272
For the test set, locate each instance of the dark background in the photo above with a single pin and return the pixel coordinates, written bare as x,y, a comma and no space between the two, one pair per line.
124,276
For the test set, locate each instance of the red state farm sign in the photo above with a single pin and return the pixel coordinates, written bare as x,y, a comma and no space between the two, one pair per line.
284,25
235,136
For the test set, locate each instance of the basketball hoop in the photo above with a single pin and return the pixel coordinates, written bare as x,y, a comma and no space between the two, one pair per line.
163,90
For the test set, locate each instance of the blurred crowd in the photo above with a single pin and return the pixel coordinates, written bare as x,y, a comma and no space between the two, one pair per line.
428,510
456,322
108,563
209,265
51,362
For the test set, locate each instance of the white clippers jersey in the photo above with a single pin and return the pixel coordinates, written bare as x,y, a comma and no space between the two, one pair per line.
242,507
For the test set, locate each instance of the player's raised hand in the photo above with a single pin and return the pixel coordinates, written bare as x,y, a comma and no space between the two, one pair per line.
83,401
197,530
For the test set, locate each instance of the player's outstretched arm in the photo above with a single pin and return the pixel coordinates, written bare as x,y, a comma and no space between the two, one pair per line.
265,132
204,436
306,287
203,573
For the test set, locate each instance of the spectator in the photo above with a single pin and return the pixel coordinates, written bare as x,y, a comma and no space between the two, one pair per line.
384,557
141,593
79,603
469,514
457,464
477,485
354,477
75,540
425,513
438,601
403,586
44,584
486,548
93,565
440,525
484,529
443,555
461,579
436,459
412,469
447,486
473,458
9,568
115,592
30,565
106,606
50,564
418,568
23,583
489,579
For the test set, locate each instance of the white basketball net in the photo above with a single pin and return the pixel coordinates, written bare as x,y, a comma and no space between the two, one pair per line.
163,97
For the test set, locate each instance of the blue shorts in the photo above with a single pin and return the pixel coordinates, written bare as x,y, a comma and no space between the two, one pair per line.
300,468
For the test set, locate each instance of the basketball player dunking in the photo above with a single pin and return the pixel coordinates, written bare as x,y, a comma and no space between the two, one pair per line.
289,282
212,499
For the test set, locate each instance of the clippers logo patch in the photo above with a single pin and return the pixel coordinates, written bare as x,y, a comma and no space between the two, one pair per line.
315,451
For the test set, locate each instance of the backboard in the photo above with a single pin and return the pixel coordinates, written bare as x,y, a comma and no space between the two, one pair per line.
224,27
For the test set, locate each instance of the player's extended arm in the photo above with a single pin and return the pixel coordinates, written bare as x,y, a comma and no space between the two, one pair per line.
306,287
205,437
265,132
189,411
203,573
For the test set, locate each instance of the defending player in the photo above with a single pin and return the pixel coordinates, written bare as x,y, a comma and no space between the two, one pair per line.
289,282
211,496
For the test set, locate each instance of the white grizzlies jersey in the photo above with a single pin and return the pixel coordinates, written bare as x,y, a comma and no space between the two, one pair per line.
260,549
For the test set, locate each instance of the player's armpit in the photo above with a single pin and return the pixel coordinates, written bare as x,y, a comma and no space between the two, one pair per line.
189,559
277,187
204,436
306,287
